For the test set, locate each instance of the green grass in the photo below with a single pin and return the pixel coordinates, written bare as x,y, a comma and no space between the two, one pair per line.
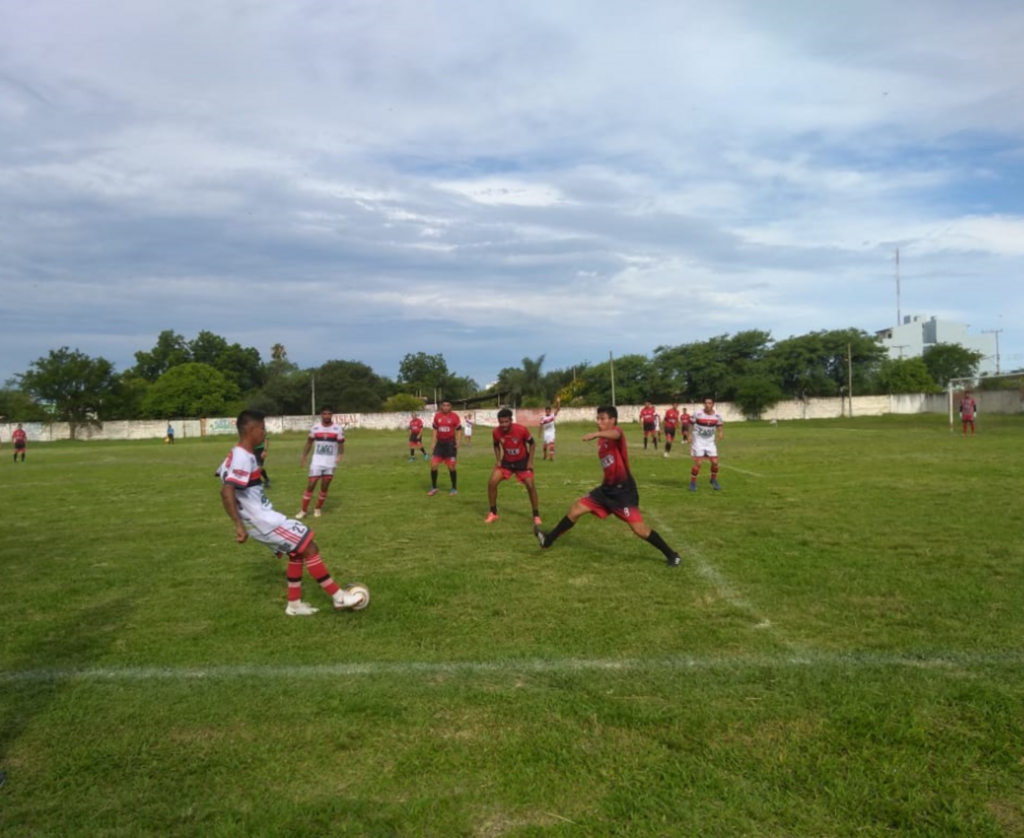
840,653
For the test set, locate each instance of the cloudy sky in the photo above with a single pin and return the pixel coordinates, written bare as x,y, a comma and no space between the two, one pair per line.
493,180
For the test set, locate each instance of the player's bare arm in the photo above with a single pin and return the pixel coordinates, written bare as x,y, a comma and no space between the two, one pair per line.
305,451
610,433
227,496
341,452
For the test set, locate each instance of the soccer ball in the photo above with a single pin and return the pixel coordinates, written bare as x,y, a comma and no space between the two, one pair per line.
359,588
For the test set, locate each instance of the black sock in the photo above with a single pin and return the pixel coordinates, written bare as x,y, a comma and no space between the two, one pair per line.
494,510
656,540
455,479
561,528
433,479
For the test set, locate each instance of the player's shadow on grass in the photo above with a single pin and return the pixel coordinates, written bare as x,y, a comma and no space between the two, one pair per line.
48,666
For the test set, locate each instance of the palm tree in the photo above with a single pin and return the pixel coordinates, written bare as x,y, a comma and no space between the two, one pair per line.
278,352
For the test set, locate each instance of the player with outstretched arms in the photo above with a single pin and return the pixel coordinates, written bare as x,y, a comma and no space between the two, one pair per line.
617,495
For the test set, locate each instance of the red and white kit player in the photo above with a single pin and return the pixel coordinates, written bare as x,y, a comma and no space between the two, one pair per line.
20,440
416,437
968,410
327,442
254,516
547,427
705,433
648,419
447,436
671,423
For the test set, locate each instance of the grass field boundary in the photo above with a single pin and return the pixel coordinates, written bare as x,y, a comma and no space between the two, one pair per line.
932,660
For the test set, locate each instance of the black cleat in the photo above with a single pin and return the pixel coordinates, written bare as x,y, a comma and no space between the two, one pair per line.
541,538
673,561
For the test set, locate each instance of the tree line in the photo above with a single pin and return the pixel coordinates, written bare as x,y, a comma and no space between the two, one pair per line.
207,376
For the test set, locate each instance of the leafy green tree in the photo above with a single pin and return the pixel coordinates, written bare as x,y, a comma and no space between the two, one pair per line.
815,365
636,380
171,349
422,374
403,403
755,394
906,375
240,364
191,391
351,387
946,361
126,397
18,406
76,385
697,370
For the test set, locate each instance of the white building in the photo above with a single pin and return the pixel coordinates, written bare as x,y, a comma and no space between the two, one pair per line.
916,335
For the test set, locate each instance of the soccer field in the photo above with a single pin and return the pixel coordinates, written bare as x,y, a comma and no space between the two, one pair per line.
841,652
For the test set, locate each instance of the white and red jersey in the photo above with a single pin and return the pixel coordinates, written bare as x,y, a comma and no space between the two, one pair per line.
19,437
614,459
415,428
647,416
547,424
671,419
326,440
968,409
445,425
706,425
514,444
242,470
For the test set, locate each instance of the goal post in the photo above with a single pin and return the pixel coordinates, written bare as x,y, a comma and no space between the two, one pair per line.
979,382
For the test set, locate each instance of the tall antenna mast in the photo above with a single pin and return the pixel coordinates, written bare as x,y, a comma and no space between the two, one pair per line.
899,314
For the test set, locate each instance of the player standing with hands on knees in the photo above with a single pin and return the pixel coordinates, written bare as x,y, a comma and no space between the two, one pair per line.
329,438
254,515
617,495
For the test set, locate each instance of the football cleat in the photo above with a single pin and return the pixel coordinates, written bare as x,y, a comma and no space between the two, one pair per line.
714,485
432,492
693,485
300,609
541,538
673,561
537,521
491,518
453,492
317,512
300,514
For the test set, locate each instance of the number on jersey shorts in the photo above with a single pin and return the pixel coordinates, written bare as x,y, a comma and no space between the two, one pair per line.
290,537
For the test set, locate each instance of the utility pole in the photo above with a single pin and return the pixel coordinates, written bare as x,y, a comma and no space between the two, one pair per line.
899,313
996,333
611,369
849,376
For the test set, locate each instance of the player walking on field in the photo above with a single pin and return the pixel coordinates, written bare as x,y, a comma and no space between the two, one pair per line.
416,437
328,437
706,431
968,410
20,440
617,495
447,436
648,419
254,516
671,423
513,455
547,425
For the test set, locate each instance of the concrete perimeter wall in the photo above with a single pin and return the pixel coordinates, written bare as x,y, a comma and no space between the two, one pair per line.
996,401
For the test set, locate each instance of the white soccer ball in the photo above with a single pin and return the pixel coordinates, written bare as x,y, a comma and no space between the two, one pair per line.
359,588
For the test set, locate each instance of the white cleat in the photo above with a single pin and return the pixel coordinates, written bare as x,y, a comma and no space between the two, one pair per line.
300,515
317,513
355,597
300,609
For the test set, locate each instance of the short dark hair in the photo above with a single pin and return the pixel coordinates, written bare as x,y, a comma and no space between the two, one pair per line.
505,413
610,411
328,408
247,418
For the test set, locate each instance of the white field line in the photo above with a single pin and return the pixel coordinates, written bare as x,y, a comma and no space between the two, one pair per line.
410,669
727,467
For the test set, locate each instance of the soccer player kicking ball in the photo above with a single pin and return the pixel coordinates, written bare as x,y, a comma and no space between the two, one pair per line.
617,495
253,515
513,454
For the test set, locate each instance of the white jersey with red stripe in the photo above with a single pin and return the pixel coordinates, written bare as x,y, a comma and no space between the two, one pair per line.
326,439
242,470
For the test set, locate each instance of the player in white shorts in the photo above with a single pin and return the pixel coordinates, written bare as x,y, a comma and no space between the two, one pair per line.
327,442
254,517
467,428
705,434
547,424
